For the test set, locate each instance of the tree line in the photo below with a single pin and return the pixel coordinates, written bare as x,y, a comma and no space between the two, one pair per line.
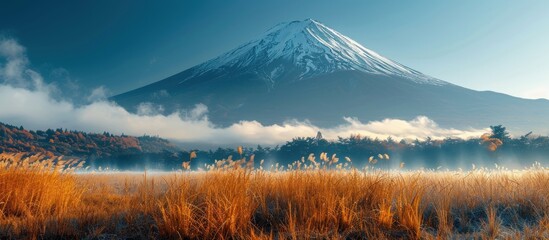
137,153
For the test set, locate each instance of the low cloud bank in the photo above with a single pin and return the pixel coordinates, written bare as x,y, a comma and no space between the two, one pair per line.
25,99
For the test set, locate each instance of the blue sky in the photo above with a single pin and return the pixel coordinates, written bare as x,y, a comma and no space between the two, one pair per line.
484,45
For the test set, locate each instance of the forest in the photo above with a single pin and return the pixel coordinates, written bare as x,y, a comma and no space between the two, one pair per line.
147,152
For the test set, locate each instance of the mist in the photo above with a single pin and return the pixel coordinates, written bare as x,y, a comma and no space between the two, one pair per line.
27,99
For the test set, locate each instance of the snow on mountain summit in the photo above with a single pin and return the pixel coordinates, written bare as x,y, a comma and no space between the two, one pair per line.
305,71
314,49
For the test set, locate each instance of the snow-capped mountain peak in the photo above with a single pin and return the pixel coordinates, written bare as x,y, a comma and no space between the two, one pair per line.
314,49
304,70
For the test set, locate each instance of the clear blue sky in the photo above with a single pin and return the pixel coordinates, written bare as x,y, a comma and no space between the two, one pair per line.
484,45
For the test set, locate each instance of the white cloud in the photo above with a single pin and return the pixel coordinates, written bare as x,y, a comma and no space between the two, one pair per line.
37,110
10,48
15,71
98,94
199,111
149,109
33,106
13,63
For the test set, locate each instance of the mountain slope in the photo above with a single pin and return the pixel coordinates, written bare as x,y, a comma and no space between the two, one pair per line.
305,70
78,144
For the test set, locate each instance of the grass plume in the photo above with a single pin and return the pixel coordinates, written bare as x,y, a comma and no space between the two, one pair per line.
43,198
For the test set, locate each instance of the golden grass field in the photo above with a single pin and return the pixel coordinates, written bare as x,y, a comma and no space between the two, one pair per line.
46,199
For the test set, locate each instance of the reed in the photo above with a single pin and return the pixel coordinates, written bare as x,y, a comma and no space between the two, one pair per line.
43,198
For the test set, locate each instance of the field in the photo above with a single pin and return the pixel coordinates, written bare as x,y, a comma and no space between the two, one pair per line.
48,199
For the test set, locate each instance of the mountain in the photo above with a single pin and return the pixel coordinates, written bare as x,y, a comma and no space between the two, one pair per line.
307,49
305,70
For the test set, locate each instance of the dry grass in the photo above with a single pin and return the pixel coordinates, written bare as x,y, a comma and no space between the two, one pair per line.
40,198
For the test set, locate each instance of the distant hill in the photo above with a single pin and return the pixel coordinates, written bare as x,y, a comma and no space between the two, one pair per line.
88,146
